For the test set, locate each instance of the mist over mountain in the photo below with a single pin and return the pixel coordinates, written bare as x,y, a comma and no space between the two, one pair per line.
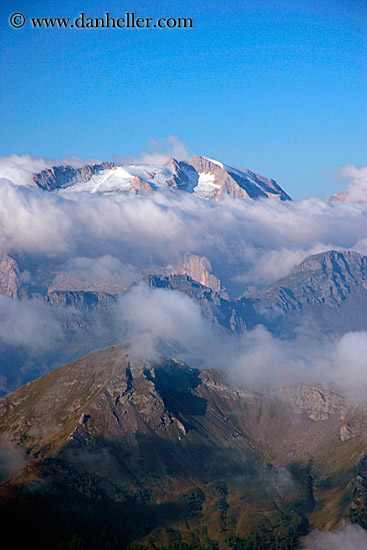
77,239
259,301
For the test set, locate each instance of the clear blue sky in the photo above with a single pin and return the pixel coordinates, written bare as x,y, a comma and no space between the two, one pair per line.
275,86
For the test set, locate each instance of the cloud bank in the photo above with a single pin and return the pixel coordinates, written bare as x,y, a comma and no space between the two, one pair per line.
247,242
31,325
118,239
157,321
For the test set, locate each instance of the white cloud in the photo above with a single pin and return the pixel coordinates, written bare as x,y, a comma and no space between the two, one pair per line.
31,325
19,169
157,320
270,265
351,537
118,238
351,363
158,152
356,179
247,243
12,457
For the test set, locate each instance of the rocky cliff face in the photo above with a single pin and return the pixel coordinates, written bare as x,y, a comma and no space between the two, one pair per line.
10,278
317,403
197,268
329,288
242,184
61,176
324,279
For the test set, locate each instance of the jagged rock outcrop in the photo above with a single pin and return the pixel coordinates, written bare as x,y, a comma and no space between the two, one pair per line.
317,403
197,268
10,278
346,432
327,279
327,289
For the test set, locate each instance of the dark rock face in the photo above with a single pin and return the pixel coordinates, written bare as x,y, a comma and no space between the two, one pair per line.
60,176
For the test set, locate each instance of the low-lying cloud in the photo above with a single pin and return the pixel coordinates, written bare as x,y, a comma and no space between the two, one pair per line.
351,537
118,239
31,325
157,321
12,457
247,242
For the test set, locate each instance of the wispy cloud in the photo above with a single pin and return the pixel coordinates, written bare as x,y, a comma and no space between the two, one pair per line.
158,152
356,180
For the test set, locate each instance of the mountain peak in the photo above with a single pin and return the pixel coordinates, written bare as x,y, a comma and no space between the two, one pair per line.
204,177
133,439
334,261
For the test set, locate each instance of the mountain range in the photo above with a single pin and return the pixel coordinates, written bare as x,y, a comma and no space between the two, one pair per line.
327,290
204,177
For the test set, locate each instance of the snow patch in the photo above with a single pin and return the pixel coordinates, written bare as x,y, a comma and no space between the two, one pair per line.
119,179
206,188
215,162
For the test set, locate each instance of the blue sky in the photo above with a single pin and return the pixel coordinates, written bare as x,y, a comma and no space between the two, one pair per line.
275,86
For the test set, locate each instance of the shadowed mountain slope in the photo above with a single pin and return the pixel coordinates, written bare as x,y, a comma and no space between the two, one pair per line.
160,453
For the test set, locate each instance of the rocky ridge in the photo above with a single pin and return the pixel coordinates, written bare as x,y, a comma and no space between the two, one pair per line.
204,177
